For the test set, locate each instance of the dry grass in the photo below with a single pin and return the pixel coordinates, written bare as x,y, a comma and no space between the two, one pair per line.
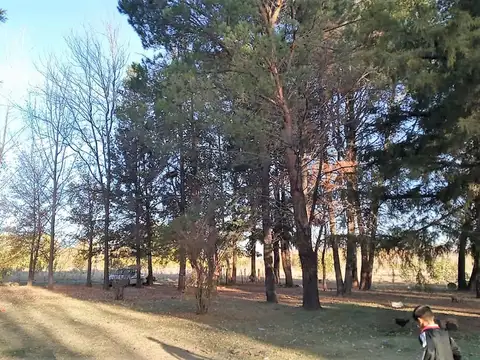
74,322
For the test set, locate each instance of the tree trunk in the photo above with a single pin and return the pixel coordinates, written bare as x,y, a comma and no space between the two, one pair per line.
228,272
364,264
337,266
371,260
462,282
476,241
253,257
324,267
293,156
31,266
308,257
282,236
364,239
333,242
287,263
138,264
106,242
348,283
368,262
89,261
51,257
375,207
350,265
353,202
267,235
473,275
91,234
234,264
53,216
462,245
276,261
309,262
31,272
355,283
477,285
138,239
35,256
182,271
149,230
476,279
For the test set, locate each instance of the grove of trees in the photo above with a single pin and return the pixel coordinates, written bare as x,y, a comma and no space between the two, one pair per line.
297,124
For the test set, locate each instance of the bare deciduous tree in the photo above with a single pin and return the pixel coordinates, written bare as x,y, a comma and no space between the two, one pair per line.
85,210
49,119
30,203
90,79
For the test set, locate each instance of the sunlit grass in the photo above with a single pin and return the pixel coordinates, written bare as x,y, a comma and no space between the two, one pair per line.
157,323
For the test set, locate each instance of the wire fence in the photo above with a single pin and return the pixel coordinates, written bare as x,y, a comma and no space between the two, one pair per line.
165,276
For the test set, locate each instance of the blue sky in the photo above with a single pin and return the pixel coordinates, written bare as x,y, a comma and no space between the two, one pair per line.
36,28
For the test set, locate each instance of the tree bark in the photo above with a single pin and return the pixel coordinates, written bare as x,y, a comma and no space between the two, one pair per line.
149,231
476,276
31,272
234,264
334,243
462,245
276,260
353,202
31,267
365,241
324,267
138,236
373,240
282,235
107,200
53,216
267,235
89,261
228,272
90,235
34,259
287,263
476,241
473,275
337,266
106,242
371,260
364,264
351,253
355,283
253,259
182,271
309,262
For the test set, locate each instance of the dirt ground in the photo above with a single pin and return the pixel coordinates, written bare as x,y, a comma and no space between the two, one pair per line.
74,322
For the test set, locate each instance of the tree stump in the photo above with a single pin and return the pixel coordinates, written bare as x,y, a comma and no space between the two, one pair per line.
119,288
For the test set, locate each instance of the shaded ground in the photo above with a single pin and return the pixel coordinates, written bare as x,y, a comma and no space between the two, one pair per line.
75,322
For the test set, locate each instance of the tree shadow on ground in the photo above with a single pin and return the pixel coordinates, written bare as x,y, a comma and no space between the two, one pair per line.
34,329
176,352
24,342
328,333
345,328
